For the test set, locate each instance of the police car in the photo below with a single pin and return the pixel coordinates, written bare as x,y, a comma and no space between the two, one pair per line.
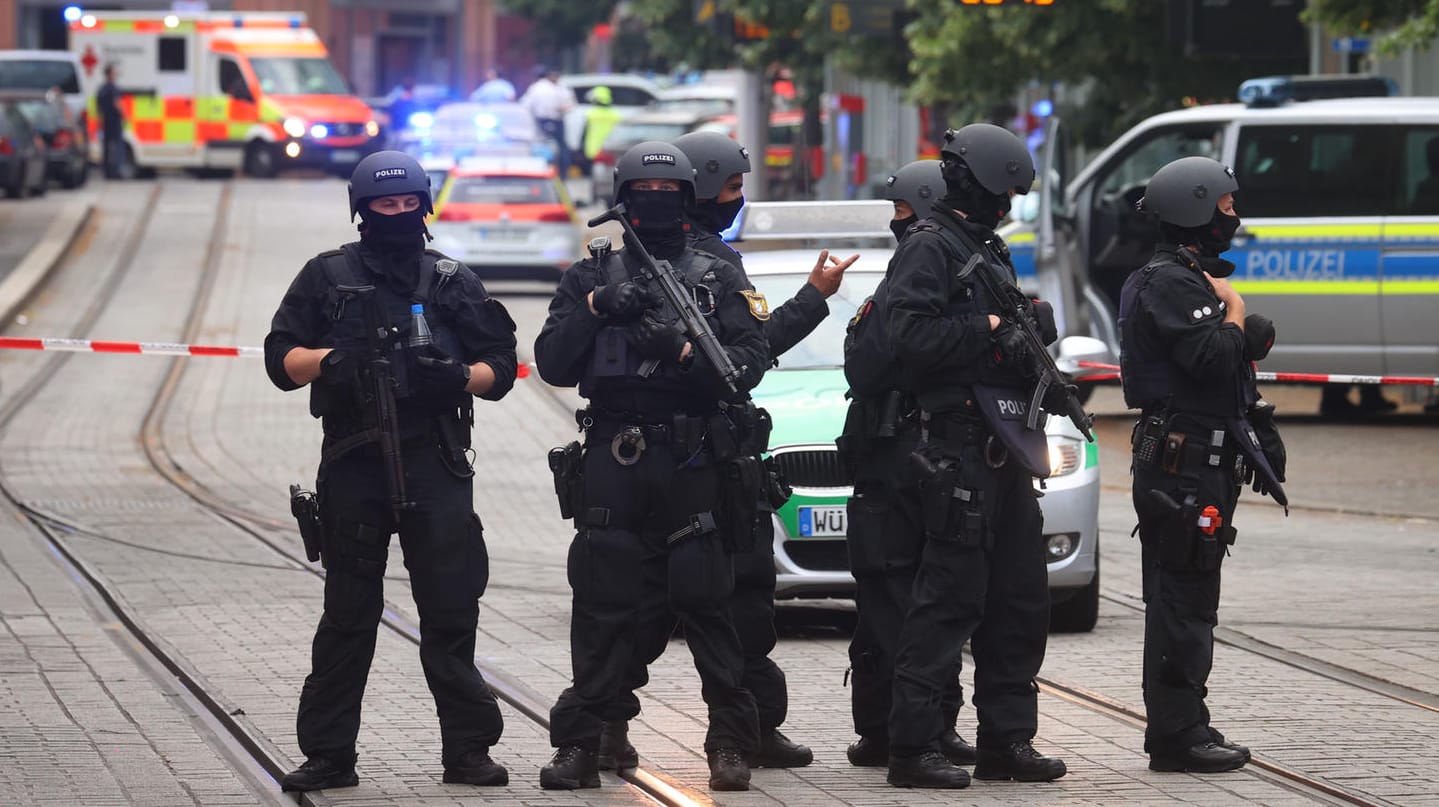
805,395
506,217
1339,199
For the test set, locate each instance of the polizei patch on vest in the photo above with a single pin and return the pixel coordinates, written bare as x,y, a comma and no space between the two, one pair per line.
389,173
652,159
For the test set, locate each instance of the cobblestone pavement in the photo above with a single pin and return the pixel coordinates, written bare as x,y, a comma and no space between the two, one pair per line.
1303,583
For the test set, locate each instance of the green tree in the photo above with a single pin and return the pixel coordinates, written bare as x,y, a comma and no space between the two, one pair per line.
561,24
1409,23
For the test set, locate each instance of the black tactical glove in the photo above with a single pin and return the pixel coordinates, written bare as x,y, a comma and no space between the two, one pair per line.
621,302
658,340
1261,417
1258,337
340,371
1010,343
1042,317
435,372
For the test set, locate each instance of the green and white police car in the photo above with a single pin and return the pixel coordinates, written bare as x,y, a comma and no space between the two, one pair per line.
805,396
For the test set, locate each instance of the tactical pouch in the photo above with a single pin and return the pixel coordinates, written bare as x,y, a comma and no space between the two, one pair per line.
753,426
701,572
687,436
853,441
776,488
306,510
567,467
739,501
724,442
951,512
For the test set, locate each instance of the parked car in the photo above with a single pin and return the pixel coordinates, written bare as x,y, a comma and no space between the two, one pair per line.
465,129
23,154
506,217
636,129
64,135
805,396
42,70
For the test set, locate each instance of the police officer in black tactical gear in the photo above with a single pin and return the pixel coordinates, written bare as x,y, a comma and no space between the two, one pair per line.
882,430
982,576
655,511
720,165
1186,355
319,337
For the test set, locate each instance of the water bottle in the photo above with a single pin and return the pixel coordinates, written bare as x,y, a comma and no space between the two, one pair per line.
419,329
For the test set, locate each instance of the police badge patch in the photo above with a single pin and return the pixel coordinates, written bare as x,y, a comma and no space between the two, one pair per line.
758,307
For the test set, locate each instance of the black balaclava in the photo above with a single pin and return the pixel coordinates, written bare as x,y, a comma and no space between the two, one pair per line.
963,193
659,220
716,216
899,226
1209,240
397,233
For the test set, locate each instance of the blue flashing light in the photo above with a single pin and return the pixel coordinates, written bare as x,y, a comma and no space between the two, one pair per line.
1043,108
72,13
485,120
294,22
239,22
421,120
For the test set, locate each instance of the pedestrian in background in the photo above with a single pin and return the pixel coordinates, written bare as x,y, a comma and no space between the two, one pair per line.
495,89
982,575
600,119
1186,356
547,101
112,126
320,336
884,539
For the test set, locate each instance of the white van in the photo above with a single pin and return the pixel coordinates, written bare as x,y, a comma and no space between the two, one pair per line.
1339,200
42,69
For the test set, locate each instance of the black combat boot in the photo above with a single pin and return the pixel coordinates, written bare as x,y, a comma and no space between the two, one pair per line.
929,769
571,768
779,751
321,772
616,751
476,768
868,752
728,770
955,749
1205,757
1018,761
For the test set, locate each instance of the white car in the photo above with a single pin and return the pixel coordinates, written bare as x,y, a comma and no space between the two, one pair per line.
41,70
805,395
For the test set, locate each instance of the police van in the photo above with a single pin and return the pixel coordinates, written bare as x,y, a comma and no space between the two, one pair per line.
252,90
1339,242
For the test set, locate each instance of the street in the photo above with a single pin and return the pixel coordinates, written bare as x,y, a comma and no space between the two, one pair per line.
165,480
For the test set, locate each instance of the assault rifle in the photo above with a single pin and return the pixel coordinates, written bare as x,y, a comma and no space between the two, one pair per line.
663,276
1053,393
378,379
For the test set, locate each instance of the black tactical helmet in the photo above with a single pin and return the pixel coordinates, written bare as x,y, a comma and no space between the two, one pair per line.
655,159
715,158
919,184
996,157
388,173
1185,193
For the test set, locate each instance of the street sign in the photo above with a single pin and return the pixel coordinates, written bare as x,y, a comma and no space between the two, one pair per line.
862,17
1352,44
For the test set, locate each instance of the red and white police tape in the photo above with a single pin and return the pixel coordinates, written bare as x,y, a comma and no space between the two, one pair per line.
145,348
1290,378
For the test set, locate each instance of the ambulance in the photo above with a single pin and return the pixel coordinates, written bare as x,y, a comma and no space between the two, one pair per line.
223,91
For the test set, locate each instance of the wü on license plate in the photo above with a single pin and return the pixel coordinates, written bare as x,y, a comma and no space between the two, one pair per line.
822,522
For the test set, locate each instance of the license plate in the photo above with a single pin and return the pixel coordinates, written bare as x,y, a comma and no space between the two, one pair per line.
501,234
344,156
822,522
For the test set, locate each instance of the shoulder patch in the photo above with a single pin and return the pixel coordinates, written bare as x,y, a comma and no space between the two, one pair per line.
758,306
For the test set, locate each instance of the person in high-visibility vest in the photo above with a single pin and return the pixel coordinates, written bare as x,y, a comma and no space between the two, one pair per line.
600,120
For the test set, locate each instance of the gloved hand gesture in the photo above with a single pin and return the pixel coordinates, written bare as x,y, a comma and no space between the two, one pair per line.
435,372
621,302
1010,343
658,340
340,370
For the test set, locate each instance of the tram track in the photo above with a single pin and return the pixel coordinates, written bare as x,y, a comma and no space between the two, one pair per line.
251,753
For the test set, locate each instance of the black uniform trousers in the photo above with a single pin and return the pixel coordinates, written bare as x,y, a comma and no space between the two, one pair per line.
445,555
752,610
885,536
1181,598
990,587
630,581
